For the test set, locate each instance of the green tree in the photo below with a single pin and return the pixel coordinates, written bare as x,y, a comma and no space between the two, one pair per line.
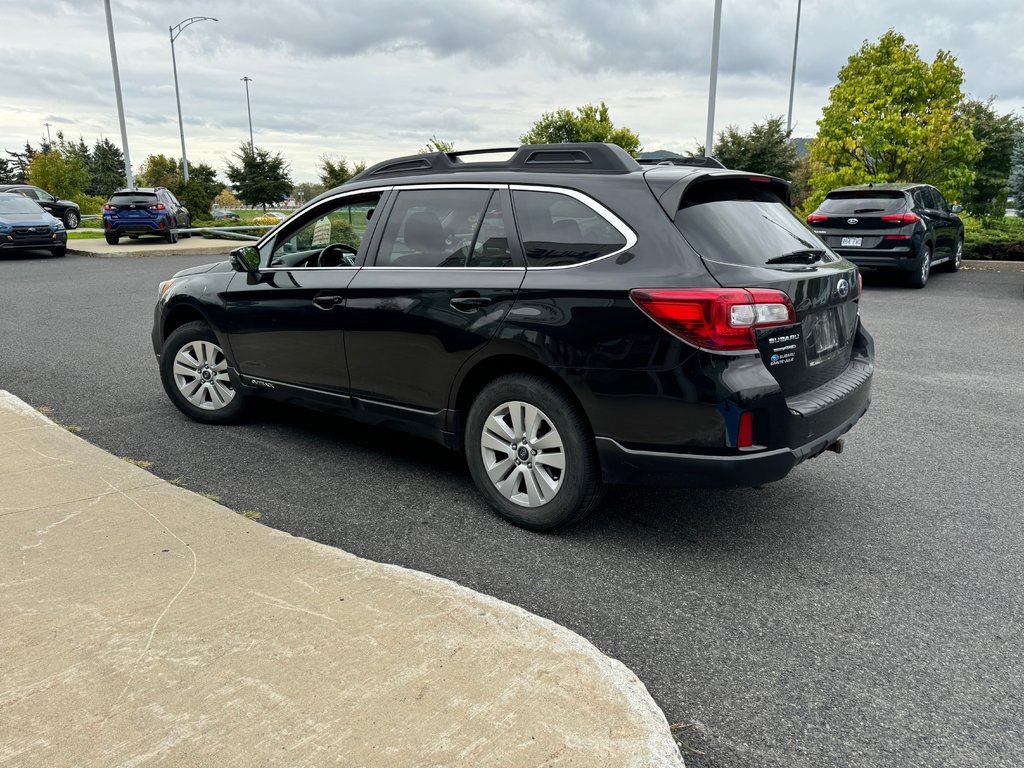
259,177
437,145
159,171
335,172
58,175
765,148
997,135
198,194
894,117
226,199
588,123
1017,172
20,162
107,168
7,172
307,190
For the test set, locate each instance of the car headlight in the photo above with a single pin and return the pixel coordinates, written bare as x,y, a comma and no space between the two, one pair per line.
58,224
164,287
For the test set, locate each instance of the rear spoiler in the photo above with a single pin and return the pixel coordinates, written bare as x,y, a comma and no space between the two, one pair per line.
669,183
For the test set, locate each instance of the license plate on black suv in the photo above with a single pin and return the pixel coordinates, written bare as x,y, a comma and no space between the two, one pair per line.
851,242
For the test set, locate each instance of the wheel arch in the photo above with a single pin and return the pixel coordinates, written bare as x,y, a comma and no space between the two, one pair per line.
481,372
181,314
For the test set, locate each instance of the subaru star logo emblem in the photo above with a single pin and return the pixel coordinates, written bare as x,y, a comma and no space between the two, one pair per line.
843,289
852,221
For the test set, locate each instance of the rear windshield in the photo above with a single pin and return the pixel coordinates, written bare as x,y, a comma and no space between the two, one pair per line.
133,198
882,201
740,223
10,203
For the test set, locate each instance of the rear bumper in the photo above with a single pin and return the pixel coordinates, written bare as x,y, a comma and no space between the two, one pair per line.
888,258
134,226
816,420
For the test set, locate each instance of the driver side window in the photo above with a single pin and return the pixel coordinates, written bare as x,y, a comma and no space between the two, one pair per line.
327,237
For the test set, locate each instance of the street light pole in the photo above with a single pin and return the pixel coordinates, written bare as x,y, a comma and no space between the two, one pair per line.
713,87
174,32
128,175
49,141
248,109
792,77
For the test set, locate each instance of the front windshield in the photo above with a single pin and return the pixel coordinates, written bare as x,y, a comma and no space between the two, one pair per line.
18,204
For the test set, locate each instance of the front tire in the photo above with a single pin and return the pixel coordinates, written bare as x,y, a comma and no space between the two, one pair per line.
59,251
918,278
531,453
194,372
71,219
954,264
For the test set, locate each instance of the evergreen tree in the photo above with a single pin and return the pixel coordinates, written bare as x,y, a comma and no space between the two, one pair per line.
259,177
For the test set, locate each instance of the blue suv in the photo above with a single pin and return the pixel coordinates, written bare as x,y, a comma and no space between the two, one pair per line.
145,211
24,226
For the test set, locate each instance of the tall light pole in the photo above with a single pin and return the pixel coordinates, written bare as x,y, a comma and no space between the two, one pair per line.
128,175
792,76
48,139
174,32
713,87
248,109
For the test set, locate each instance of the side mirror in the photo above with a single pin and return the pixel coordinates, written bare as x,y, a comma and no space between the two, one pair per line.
956,209
247,259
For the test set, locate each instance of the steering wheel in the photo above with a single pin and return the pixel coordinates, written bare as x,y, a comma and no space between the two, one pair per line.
337,255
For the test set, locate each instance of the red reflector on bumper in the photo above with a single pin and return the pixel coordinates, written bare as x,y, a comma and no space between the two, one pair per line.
745,438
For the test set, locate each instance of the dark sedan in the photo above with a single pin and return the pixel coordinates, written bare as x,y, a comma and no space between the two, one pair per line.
24,226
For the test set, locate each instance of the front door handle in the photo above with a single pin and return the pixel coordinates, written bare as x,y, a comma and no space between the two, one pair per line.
468,302
327,300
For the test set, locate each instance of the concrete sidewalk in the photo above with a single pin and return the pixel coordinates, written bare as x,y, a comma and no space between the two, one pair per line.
152,246
143,624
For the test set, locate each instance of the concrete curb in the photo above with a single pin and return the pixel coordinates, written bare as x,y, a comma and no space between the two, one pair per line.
633,717
158,250
994,266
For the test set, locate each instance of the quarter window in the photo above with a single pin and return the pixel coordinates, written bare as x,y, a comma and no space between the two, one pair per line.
446,228
558,230
344,226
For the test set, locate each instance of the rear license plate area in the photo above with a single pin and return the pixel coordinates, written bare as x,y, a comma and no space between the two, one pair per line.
822,336
851,242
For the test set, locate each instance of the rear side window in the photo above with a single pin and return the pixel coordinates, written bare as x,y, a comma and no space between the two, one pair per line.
133,198
558,230
846,203
741,222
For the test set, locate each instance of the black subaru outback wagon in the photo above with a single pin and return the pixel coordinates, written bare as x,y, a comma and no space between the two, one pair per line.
566,317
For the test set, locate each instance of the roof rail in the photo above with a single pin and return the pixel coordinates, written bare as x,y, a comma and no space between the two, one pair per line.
701,162
585,157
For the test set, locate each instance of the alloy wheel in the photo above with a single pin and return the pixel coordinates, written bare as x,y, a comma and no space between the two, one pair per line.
201,375
523,453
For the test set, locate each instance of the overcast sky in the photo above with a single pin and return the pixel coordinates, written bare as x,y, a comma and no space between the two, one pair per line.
372,79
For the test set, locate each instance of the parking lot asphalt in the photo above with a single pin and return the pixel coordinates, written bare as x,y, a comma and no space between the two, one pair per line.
865,611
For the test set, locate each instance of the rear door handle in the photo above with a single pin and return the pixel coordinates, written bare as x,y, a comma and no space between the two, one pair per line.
327,300
469,302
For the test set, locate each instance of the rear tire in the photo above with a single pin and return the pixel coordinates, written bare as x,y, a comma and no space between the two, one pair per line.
954,264
172,236
112,239
193,370
552,477
133,237
918,277
71,219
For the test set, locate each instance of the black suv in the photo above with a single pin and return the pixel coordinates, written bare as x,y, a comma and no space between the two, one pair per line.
566,317
144,211
909,227
65,210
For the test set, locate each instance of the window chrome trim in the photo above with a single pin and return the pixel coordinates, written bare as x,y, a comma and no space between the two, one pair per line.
622,228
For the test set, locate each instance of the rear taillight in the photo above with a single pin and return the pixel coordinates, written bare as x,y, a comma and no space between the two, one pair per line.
816,218
902,218
718,320
157,207
108,207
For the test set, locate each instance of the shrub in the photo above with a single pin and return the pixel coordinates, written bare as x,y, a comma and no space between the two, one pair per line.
994,239
89,204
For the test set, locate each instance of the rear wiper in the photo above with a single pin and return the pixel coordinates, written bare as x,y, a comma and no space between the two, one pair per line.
805,256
